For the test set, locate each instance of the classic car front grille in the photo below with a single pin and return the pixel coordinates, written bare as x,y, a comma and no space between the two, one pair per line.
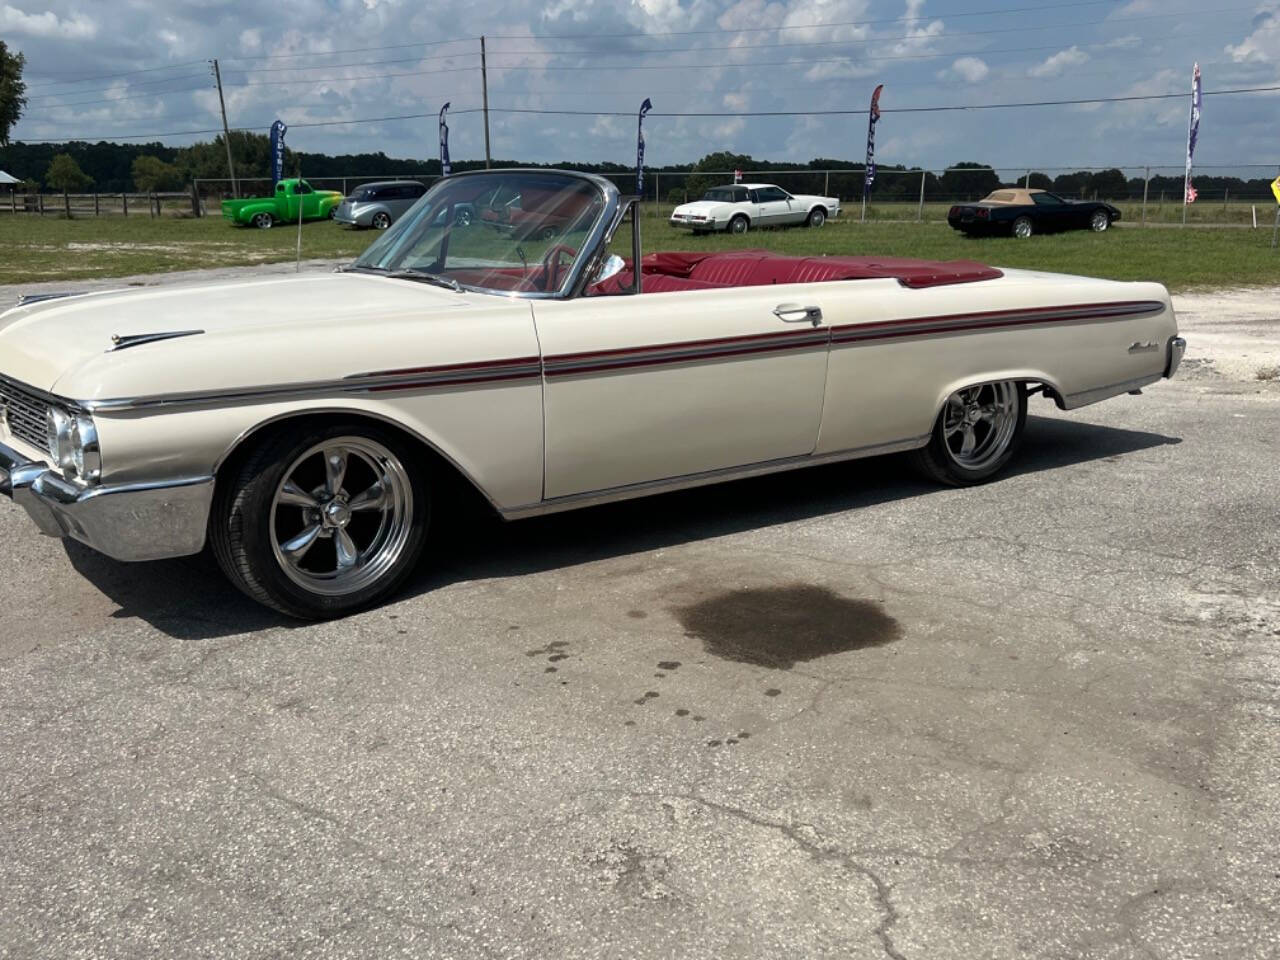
24,411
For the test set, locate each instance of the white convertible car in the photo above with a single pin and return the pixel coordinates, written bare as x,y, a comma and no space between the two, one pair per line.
304,426
739,207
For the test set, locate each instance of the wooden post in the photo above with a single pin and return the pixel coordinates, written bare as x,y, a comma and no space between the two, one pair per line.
826,183
13,200
151,205
1146,183
95,203
66,204
40,203
1226,192
195,200
124,203
920,209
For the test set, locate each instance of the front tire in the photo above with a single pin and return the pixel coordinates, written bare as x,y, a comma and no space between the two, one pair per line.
381,221
975,435
739,224
263,221
321,521
1100,221
817,217
1023,228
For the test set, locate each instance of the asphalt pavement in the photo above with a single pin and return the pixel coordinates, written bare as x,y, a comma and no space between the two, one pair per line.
833,713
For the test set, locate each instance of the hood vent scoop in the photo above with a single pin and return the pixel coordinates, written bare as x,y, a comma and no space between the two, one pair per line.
119,342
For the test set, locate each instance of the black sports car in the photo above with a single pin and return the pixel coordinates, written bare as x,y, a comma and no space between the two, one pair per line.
1023,212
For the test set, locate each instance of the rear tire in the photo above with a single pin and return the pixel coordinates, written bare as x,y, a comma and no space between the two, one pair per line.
739,224
263,221
320,521
976,434
1023,228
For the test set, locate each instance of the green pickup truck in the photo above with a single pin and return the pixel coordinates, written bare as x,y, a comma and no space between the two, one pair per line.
266,212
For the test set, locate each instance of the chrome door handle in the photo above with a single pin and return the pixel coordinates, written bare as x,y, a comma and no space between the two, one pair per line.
794,313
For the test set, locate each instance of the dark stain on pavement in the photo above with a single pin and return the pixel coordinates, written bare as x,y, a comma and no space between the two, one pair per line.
779,627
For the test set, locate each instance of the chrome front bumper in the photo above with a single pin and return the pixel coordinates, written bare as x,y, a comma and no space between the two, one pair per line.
126,521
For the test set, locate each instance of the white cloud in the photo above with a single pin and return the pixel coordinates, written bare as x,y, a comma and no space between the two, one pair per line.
47,24
1263,44
970,69
1073,56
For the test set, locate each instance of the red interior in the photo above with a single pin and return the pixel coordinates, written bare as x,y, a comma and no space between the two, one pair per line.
667,272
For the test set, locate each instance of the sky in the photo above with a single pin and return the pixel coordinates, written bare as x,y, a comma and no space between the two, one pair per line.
104,69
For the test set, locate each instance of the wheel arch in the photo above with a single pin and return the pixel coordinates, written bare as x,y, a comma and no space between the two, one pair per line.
430,448
1036,379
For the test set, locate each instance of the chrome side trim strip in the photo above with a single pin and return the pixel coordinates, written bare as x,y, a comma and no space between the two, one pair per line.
693,350
1085,397
690,481
471,373
921,326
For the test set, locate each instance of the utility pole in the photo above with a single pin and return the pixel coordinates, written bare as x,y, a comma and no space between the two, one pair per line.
226,132
484,90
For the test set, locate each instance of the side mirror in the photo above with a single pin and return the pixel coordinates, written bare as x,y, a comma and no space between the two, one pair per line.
611,266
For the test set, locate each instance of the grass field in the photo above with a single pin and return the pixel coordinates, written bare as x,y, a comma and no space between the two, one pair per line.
45,249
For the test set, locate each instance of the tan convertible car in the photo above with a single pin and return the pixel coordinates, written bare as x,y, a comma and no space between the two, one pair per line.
303,425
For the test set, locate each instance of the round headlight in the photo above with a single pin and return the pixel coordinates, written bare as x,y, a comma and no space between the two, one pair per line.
58,429
85,456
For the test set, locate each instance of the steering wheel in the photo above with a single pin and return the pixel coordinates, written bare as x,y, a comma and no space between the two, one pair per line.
551,264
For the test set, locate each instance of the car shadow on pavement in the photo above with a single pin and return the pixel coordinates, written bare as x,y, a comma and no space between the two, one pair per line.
190,599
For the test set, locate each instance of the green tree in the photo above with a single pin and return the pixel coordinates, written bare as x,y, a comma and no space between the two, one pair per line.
968,181
65,174
1109,185
151,173
12,91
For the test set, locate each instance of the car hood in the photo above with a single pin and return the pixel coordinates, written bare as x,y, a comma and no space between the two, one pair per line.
66,345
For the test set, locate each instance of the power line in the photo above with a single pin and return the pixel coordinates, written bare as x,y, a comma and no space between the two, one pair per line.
142,83
329,53
799,26
768,113
110,76
891,38
863,111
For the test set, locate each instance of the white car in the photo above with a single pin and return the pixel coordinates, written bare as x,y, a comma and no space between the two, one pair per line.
311,427
740,206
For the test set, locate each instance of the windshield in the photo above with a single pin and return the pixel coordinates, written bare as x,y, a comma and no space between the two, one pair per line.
500,231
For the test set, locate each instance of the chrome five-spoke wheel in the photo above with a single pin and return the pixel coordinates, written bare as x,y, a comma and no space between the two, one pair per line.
341,516
1100,221
976,433
979,422
320,519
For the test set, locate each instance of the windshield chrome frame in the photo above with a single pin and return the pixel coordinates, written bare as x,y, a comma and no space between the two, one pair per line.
595,241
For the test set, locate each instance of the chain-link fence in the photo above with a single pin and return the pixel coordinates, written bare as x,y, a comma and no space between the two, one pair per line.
1148,195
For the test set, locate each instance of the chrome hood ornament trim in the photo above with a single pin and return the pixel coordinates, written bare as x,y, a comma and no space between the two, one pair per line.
119,342
27,299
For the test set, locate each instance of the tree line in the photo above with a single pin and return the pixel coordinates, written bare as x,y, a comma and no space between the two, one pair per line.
115,167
